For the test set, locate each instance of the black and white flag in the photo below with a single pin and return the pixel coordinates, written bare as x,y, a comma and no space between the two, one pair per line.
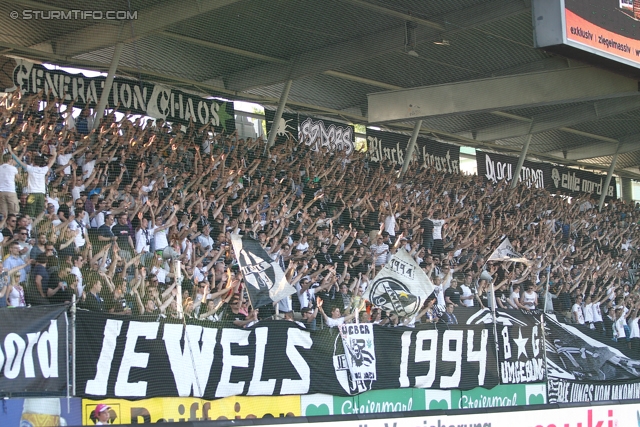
505,252
588,366
359,351
266,282
401,286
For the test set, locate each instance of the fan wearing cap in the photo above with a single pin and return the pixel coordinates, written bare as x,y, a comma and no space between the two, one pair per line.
101,413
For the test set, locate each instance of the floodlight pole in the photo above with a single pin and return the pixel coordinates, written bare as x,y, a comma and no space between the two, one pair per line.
523,155
607,181
411,147
115,59
278,116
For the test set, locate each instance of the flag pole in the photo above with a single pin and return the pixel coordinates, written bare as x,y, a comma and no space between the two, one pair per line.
177,272
246,291
495,325
546,294
544,344
492,303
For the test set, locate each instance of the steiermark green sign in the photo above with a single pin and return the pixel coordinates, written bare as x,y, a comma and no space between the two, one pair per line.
407,399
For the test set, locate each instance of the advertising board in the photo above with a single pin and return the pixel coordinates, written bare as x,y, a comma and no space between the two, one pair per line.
177,409
606,28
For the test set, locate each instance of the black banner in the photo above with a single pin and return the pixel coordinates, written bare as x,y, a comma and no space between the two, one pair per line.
154,100
134,359
521,347
33,350
579,183
287,126
562,390
428,152
584,366
497,167
321,133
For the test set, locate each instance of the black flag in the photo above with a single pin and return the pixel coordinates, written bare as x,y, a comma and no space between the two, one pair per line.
265,280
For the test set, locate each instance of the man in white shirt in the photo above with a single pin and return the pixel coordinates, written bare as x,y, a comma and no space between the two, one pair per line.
97,219
37,181
305,294
205,240
78,225
439,291
467,295
8,198
25,247
65,155
588,312
336,318
379,250
78,261
438,223
514,298
576,311
90,164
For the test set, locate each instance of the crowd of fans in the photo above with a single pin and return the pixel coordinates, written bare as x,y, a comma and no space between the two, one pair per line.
103,212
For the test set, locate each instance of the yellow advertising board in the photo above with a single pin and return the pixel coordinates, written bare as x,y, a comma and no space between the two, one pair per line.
175,409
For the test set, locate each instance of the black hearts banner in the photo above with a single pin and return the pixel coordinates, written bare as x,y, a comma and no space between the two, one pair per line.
428,153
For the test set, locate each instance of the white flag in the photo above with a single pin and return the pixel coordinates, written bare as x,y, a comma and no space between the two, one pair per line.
359,351
505,252
401,286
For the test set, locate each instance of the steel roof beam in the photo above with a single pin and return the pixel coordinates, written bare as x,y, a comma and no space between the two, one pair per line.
389,12
371,45
149,20
500,93
628,144
559,119
261,57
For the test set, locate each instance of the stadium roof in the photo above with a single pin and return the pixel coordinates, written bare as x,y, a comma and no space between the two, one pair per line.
338,52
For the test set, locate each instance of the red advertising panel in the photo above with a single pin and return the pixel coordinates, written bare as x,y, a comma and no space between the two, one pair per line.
602,32
609,28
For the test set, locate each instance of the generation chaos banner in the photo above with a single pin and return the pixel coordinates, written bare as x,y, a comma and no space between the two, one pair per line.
150,99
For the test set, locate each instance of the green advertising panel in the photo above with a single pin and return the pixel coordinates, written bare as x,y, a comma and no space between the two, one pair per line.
408,399
500,396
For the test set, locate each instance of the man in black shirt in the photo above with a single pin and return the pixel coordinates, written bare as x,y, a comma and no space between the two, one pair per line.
37,292
232,315
93,300
564,298
426,228
10,226
122,232
452,294
105,235
448,315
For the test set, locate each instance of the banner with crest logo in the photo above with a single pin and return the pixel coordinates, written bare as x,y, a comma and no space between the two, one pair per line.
401,286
